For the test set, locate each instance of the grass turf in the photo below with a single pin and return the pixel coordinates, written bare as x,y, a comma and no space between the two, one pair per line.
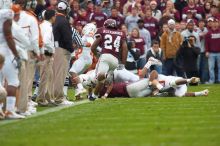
124,122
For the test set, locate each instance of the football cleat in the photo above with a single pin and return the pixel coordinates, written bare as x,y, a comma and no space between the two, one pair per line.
205,92
155,61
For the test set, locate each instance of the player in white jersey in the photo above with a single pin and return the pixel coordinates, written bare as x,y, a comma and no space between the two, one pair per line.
177,83
12,60
85,59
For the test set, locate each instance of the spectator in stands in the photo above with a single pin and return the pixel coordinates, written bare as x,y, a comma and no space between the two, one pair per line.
215,12
140,7
83,17
144,33
190,31
182,26
171,11
74,13
151,24
119,8
98,16
125,7
140,44
131,20
164,28
179,5
156,52
207,10
212,45
115,15
106,7
197,13
203,61
52,5
125,30
170,43
156,13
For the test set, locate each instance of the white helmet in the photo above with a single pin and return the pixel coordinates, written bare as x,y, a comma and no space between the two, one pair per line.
5,4
89,29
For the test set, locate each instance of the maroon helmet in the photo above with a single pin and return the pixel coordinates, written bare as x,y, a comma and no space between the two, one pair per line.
110,23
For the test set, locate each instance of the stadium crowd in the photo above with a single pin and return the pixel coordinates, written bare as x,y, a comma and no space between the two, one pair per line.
93,43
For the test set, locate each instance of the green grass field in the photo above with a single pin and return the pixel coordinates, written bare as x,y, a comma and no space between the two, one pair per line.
123,122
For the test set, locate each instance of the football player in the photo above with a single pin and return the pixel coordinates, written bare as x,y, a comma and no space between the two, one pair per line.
177,83
113,54
12,60
85,59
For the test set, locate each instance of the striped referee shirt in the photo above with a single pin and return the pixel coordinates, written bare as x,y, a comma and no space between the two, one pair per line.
76,37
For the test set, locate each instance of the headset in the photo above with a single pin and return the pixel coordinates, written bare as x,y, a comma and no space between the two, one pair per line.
67,10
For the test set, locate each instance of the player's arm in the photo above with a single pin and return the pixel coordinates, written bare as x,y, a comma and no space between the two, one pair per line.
108,90
124,52
95,45
8,36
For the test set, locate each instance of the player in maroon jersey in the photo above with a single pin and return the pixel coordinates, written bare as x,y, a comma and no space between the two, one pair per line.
113,54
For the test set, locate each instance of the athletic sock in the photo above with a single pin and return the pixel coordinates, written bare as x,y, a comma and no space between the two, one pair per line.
36,90
198,93
65,89
10,103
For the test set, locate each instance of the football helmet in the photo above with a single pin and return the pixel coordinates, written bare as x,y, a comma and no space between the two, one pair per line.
110,23
89,29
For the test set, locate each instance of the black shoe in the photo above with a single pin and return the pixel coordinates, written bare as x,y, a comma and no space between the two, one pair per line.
91,98
164,94
34,97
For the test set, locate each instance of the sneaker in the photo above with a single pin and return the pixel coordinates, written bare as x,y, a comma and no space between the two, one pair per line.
66,102
155,61
194,80
32,110
26,113
13,115
32,103
80,91
2,115
205,92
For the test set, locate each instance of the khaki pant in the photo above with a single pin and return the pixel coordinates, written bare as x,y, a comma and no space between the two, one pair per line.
60,70
23,94
31,67
45,91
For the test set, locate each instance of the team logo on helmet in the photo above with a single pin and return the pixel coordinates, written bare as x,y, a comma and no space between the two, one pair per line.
110,23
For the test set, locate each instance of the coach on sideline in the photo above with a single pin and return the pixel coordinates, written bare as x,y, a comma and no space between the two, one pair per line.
63,47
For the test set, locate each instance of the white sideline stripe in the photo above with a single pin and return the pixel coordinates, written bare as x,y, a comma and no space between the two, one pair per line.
50,110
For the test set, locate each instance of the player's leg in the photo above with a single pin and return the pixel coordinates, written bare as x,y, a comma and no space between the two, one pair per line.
139,88
10,73
125,76
180,90
199,93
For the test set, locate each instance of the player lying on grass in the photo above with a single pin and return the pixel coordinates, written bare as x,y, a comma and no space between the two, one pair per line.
178,83
88,80
156,81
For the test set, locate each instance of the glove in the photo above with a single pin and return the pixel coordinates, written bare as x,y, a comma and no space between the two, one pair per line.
17,61
120,67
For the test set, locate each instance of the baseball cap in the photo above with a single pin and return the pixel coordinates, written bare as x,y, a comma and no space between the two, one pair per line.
210,19
189,21
171,22
62,6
